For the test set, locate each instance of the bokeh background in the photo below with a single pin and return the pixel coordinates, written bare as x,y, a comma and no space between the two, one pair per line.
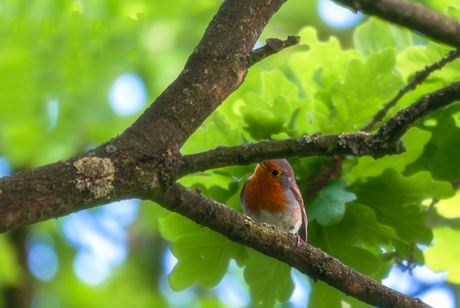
74,74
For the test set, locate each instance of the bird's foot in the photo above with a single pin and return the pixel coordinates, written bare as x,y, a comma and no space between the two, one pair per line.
297,237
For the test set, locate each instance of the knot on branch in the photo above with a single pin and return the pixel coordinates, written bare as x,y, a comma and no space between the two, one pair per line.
273,46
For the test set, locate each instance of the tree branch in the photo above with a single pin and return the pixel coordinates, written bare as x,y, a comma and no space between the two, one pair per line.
411,15
418,78
273,47
397,126
355,144
305,258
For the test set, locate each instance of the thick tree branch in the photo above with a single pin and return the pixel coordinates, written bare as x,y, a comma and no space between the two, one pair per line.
411,15
306,258
91,179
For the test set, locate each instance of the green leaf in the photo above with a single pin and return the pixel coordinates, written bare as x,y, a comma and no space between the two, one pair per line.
223,184
174,226
360,223
328,207
215,131
414,140
445,253
440,155
449,208
417,58
441,5
254,101
269,280
275,84
309,116
278,117
10,269
280,136
222,177
365,88
148,217
313,68
453,12
218,192
324,296
365,40
203,255
354,303
204,259
320,119
262,123
330,239
393,198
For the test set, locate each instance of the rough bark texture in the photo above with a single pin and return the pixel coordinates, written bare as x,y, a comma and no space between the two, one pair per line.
145,160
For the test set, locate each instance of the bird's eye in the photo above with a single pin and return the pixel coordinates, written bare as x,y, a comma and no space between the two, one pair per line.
275,172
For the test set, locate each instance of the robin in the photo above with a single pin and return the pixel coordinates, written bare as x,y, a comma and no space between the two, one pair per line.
271,196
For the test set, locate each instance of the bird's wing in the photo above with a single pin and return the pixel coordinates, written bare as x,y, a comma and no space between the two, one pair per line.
242,192
295,190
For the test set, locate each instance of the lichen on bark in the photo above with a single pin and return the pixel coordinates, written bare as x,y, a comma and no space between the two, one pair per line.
96,175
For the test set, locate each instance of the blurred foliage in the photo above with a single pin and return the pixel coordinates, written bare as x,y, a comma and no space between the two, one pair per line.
73,51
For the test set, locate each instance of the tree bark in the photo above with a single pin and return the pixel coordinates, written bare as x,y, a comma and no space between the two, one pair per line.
411,15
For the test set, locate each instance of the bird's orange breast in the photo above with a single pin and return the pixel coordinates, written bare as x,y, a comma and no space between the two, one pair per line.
264,193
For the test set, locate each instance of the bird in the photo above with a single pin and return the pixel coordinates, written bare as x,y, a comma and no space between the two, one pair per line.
271,196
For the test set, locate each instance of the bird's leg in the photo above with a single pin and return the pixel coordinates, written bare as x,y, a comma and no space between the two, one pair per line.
297,237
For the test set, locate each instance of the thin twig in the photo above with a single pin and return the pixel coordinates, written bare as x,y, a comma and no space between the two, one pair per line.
273,46
418,78
411,263
355,144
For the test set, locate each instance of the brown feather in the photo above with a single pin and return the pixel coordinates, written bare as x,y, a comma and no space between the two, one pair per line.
298,196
